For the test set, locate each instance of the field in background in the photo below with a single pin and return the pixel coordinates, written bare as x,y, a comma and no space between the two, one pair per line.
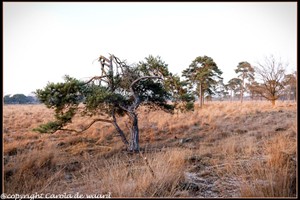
226,149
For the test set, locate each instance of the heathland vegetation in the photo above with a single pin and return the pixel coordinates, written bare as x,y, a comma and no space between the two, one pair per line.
226,149
136,131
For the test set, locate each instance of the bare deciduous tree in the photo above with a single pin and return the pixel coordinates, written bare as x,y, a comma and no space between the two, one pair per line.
269,74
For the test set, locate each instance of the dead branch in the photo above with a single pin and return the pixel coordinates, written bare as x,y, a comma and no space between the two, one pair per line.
103,58
96,78
87,127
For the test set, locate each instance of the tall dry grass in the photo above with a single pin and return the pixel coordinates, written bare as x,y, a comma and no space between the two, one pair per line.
274,176
131,175
225,149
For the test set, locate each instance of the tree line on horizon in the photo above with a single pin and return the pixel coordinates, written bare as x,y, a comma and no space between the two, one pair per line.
20,99
206,83
268,80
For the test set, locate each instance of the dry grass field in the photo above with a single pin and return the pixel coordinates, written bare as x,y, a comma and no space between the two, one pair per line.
225,149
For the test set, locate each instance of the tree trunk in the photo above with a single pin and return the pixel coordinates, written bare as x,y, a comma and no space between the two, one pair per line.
200,96
134,140
273,102
242,91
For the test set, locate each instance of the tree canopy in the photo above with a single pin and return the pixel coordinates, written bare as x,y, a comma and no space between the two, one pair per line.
205,74
245,72
234,85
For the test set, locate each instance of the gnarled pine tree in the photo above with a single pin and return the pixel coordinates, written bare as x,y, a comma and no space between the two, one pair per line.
118,91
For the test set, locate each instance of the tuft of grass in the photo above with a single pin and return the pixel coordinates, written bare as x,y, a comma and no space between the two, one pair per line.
132,176
276,175
29,173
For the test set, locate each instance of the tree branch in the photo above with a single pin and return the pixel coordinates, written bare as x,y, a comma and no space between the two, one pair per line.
87,127
102,57
126,109
96,78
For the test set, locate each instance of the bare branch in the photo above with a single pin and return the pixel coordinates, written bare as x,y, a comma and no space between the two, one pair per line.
103,58
96,78
87,127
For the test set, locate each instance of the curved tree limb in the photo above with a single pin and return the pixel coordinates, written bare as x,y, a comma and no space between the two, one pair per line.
96,78
87,127
124,108
103,58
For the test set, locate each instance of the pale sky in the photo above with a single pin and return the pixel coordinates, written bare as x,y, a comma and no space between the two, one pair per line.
44,41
